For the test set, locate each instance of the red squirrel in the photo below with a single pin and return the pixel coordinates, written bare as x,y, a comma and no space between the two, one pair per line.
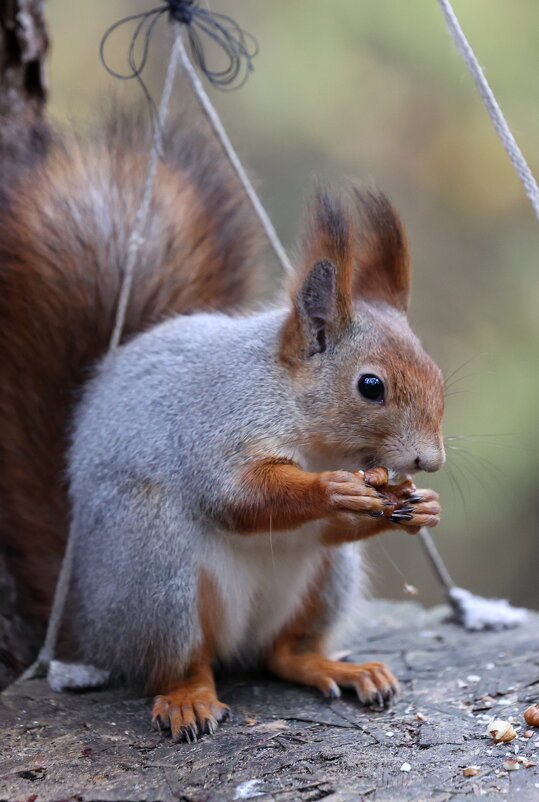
219,470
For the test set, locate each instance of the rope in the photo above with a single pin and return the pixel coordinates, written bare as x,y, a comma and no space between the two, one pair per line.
532,191
489,101
435,559
136,239
46,653
234,160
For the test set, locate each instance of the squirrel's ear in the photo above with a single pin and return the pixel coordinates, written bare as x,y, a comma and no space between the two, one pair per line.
305,331
328,236
381,250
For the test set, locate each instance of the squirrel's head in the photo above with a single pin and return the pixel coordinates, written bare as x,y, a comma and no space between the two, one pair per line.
364,384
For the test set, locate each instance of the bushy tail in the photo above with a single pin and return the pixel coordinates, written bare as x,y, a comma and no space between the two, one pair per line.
65,220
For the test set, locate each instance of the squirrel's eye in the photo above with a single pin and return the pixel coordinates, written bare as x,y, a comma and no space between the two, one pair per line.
371,387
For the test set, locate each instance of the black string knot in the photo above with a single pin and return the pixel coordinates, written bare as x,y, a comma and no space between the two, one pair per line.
237,46
181,11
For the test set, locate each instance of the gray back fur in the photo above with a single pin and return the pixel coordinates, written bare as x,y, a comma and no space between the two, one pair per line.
158,435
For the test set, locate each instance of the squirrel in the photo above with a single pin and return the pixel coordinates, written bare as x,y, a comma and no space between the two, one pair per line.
221,468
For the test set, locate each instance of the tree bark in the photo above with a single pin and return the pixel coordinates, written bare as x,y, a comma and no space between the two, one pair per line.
23,95
23,82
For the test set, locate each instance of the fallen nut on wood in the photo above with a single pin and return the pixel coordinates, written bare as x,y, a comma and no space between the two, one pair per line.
471,771
501,730
531,715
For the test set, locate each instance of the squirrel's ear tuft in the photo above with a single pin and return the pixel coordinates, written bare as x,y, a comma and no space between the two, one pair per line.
329,236
306,329
381,252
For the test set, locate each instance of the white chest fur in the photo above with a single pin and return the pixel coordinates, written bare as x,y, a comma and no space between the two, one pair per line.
262,579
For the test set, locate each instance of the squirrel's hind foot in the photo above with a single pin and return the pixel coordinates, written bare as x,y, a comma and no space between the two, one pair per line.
189,710
373,682
188,716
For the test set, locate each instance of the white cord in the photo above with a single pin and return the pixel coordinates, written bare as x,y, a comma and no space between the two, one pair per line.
228,148
136,238
489,101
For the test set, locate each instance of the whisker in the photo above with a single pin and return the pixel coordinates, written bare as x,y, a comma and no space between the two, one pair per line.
458,489
458,379
493,470
454,372
271,544
391,561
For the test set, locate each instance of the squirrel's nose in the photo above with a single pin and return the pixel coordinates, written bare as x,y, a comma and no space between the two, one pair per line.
430,460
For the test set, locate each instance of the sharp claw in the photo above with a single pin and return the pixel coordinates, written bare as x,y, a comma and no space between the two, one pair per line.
406,510
378,700
333,691
376,514
398,517
160,725
209,725
190,733
223,715
414,499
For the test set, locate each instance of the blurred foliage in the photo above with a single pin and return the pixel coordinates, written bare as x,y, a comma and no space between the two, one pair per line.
376,90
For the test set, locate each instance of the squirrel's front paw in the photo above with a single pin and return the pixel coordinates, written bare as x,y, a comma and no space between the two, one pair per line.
349,491
420,509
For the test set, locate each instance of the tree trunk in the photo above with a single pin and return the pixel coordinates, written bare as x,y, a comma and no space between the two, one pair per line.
23,84
23,95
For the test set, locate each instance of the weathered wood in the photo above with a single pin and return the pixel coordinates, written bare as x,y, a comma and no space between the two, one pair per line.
286,743
19,640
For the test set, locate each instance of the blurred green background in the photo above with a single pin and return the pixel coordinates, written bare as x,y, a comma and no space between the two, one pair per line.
375,89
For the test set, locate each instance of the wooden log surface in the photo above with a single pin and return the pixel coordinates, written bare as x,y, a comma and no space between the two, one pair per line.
287,743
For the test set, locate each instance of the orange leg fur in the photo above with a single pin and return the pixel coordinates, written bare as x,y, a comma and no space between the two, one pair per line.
277,494
373,682
190,706
297,655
